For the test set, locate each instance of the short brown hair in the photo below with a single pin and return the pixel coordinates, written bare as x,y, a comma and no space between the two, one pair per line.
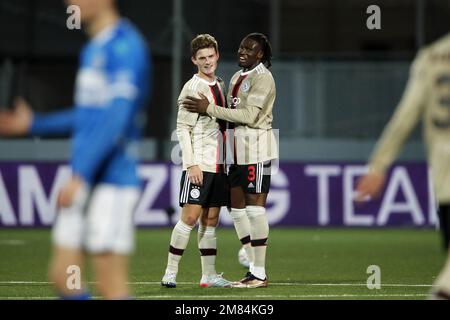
203,41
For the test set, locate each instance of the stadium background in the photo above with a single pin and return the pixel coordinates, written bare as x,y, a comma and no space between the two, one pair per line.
337,85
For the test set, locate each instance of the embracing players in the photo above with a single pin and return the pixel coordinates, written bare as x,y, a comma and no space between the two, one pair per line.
251,97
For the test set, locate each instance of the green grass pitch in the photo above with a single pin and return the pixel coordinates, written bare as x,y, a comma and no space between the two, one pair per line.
301,264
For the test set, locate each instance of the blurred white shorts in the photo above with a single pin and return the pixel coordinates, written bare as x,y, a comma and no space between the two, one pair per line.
105,225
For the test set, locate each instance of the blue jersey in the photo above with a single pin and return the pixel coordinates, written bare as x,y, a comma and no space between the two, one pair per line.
112,88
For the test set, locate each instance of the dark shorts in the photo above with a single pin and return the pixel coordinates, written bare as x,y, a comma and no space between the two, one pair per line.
253,178
215,191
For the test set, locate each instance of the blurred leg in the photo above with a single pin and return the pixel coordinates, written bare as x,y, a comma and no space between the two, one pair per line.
111,273
110,237
61,269
66,263
442,283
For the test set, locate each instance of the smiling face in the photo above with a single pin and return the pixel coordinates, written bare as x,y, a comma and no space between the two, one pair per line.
249,53
206,61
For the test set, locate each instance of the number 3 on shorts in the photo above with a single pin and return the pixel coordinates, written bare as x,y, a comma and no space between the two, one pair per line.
251,173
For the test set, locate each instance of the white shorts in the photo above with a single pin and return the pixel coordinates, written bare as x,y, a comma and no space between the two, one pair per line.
105,225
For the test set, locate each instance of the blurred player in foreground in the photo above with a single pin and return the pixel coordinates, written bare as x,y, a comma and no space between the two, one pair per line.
251,96
204,186
95,214
426,97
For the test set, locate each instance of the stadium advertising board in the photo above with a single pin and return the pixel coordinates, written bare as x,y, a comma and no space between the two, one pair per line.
302,194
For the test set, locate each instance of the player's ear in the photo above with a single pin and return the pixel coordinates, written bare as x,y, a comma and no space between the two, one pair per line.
260,55
194,61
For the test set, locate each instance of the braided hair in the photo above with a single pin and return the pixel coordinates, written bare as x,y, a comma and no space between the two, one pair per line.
265,46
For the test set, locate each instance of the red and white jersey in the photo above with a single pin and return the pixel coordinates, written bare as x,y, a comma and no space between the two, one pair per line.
201,137
252,95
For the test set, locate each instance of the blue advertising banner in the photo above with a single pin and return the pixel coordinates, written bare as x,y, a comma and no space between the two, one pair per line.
301,194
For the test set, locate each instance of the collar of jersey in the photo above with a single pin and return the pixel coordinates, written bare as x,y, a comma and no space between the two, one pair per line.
250,71
106,34
204,81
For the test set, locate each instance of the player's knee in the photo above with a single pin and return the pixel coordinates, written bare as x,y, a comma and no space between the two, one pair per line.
190,219
190,214
210,221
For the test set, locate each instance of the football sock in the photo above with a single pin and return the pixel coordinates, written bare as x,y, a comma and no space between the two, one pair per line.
207,244
259,233
178,243
242,226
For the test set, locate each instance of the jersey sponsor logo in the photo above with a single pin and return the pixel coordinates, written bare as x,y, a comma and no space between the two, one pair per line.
245,86
235,101
91,88
195,193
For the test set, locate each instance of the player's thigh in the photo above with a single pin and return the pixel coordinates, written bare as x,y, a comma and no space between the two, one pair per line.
256,199
237,198
110,223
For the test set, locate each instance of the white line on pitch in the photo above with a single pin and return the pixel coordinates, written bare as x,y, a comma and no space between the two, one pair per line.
253,296
271,283
288,296
307,284
12,242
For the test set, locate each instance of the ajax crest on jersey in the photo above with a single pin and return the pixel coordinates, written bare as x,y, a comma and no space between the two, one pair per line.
245,86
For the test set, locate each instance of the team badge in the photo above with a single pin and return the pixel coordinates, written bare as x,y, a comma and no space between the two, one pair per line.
195,193
245,86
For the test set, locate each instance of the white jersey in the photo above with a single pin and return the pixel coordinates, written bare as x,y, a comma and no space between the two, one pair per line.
201,136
